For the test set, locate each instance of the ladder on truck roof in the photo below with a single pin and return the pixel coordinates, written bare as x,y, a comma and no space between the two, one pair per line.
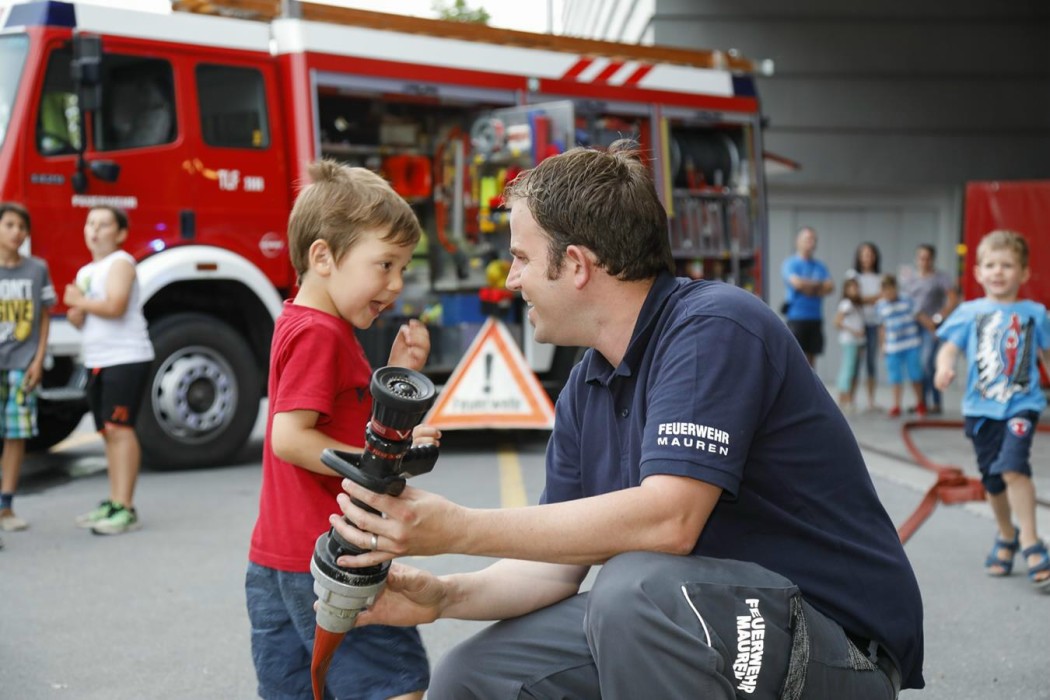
268,10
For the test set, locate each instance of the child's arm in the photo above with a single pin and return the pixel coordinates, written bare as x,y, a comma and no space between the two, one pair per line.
119,281
294,438
946,357
35,371
839,318
411,346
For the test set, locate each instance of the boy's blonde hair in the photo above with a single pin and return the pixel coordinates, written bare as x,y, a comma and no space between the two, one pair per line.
340,203
1004,240
889,281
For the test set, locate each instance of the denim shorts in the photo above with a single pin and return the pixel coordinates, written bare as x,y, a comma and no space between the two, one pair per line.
1002,446
372,663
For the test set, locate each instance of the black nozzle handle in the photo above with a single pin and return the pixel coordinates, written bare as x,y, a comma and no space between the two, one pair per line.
348,464
419,460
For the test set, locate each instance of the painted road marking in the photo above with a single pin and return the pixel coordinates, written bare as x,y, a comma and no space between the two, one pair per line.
511,483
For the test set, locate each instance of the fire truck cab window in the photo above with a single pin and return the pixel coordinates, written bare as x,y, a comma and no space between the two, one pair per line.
233,107
138,103
13,49
58,121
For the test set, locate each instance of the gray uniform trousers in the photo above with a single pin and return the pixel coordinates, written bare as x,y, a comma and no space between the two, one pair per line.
642,632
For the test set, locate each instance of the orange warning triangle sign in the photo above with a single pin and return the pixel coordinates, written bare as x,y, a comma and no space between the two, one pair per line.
492,387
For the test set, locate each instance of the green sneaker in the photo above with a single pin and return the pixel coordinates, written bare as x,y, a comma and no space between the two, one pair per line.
119,521
104,509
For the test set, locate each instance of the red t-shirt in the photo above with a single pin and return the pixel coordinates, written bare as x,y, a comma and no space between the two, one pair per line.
316,364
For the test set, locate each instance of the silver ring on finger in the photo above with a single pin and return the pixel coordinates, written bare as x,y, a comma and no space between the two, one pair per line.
375,542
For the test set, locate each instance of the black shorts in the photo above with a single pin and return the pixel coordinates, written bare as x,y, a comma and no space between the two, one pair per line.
809,334
115,393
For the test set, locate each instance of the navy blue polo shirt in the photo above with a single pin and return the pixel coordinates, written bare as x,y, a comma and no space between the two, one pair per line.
714,387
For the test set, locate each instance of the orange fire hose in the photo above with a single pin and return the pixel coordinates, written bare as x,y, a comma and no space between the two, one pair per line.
325,644
952,486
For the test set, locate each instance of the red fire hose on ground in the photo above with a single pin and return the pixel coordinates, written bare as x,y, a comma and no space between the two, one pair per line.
951,486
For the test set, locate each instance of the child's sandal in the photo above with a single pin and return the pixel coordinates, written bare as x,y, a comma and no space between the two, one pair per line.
1038,568
1006,566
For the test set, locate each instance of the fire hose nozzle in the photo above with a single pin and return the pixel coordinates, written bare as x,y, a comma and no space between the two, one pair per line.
338,604
401,398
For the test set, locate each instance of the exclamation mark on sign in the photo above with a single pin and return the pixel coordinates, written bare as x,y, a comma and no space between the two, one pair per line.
488,372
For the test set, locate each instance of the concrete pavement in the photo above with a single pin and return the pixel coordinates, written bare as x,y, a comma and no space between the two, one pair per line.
985,637
160,613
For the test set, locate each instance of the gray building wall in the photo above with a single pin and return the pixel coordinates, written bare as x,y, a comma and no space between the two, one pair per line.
890,108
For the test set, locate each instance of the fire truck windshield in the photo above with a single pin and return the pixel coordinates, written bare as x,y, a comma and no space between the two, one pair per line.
13,51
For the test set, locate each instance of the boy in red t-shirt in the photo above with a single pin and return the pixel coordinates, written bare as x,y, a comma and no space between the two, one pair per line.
350,237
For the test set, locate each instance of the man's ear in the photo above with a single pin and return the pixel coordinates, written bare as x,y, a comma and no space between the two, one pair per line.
581,263
320,258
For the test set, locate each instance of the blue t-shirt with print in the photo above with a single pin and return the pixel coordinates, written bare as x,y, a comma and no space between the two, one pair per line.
1002,343
803,307
714,387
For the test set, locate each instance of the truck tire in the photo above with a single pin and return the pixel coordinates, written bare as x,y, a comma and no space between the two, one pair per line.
202,394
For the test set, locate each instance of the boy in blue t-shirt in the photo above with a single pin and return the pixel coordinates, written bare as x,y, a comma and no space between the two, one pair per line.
1002,337
901,344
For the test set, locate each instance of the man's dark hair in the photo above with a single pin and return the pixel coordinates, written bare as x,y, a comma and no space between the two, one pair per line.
929,249
604,201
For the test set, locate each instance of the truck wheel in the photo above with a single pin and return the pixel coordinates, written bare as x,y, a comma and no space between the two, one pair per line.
202,395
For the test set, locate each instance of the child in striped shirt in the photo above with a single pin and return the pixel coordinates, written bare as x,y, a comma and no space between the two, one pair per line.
901,342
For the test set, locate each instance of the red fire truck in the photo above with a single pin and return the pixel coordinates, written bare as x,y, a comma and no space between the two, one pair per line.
201,122
1019,205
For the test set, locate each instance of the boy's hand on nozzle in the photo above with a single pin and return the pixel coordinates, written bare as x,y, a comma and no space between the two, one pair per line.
411,346
425,435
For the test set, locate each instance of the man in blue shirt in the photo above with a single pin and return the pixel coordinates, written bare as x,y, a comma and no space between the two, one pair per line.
695,456
808,282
